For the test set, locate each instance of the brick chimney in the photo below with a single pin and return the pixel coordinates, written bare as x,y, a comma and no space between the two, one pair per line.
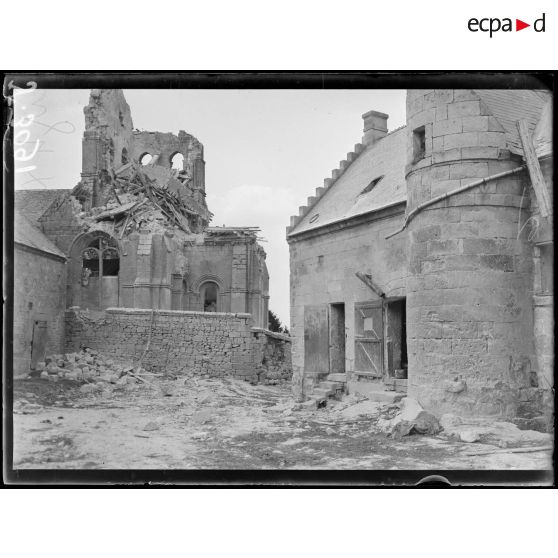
375,126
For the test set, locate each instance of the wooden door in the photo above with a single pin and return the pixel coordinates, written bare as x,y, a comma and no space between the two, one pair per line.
369,335
316,339
38,343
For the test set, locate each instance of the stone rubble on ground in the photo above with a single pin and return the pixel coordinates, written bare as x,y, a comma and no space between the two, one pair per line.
490,430
95,371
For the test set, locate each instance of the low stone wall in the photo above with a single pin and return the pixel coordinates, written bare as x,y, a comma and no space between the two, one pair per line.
185,343
273,353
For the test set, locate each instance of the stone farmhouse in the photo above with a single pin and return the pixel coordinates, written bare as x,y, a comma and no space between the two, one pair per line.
129,252
425,262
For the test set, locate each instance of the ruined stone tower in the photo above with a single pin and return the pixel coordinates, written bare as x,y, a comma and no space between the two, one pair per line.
135,229
469,290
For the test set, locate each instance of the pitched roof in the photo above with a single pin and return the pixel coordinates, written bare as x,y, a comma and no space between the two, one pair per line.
27,234
511,105
33,203
344,199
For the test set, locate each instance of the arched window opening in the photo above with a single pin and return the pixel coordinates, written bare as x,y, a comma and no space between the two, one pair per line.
100,259
177,161
209,293
145,159
124,157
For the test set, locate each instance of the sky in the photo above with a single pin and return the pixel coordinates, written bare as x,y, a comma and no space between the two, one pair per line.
266,151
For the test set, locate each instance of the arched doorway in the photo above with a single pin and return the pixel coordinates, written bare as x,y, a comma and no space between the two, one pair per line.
96,267
209,295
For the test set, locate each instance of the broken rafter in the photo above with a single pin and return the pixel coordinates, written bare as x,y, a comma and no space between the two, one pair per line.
535,172
122,168
366,278
111,213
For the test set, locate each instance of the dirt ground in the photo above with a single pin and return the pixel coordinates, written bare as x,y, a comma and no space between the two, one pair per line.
227,424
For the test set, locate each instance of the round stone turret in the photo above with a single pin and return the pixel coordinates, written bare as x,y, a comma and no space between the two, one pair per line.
469,307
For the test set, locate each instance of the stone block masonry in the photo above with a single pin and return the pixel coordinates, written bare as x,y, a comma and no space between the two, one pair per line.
469,301
210,344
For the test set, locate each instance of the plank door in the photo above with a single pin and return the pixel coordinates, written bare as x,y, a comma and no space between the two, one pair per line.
369,335
316,339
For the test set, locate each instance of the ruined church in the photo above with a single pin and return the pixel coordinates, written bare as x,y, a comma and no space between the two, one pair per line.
134,233
425,262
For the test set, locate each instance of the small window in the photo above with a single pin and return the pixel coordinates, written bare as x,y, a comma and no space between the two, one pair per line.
124,157
145,159
372,185
419,144
314,218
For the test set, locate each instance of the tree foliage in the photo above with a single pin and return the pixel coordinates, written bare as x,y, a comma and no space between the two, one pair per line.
275,323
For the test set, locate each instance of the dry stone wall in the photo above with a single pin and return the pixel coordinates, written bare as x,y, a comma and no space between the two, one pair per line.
210,344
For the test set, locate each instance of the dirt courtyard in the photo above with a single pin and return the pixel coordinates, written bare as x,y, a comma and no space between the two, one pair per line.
229,424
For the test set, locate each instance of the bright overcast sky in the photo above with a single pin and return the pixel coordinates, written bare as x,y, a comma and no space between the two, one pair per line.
266,151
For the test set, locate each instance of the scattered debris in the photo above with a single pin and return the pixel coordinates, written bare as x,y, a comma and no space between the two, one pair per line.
511,450
469,436
154,200
423,423
489,430
95,371
151,426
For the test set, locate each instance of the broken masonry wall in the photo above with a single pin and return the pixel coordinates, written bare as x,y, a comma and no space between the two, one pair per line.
323,264
469,291
107,143
272,356
39,296
258,286
163,147
183,343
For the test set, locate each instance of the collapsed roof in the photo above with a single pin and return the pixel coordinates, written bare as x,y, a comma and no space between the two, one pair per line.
137,197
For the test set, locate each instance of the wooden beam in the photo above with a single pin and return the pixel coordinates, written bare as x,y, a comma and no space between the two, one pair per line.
535,173
366,278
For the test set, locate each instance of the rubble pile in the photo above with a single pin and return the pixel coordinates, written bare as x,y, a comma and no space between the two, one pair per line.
135,197
407,417
89,367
